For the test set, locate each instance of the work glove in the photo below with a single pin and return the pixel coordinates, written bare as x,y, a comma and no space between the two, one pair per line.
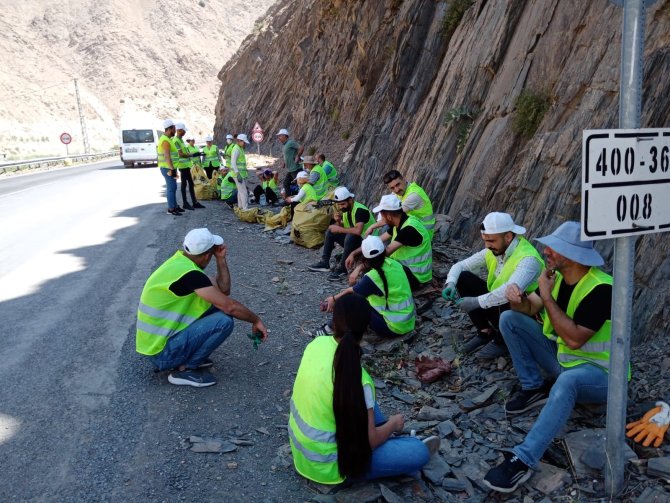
652,427
468,304
450,292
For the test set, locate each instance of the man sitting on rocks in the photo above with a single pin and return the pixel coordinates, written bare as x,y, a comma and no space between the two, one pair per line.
182,317
572,344
350,225
508,258
410,243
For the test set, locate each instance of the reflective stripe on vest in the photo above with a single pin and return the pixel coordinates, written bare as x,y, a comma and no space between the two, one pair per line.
321,185
399,314
331,173
211,156
241,162
311,425
596,349
425,212
522,250
161,314
348,224
174,155
227,187
195,161
419,259
182,162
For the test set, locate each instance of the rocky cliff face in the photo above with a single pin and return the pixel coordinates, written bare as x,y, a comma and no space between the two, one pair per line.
414,86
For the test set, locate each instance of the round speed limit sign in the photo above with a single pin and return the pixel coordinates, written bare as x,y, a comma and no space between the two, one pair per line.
65,138
257,136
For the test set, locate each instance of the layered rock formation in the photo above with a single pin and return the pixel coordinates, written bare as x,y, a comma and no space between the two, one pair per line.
408,85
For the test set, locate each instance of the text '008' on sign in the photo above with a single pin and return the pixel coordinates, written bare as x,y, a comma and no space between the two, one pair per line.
625,182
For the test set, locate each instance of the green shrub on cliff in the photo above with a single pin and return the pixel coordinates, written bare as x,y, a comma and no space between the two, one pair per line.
530,108
453,16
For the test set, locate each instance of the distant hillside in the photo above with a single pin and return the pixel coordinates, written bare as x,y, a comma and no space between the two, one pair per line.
153,57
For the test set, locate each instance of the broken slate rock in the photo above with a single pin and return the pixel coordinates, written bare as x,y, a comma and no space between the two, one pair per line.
389,495
655,494
478,401
432,414
593,458
549,478
403,397
454,485
446,428
204,444
365,493
659,467
436,469
578,442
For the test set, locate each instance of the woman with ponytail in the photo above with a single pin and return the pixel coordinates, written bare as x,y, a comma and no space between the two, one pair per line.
387,290
336,429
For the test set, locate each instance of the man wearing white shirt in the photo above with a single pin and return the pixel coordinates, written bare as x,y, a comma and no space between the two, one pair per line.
508,258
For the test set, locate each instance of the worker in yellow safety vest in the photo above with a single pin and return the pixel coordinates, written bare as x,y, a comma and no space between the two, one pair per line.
238,167
508,258
212,159
183,317
168,156
572,347
336,429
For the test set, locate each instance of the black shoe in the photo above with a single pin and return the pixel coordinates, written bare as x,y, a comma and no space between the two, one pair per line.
198,205
492,350
187,206
179,209
476,342
527,399
191,378
320,266
174,212
337,275
508,475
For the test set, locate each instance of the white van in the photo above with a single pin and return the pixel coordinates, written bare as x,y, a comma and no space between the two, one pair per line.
138,146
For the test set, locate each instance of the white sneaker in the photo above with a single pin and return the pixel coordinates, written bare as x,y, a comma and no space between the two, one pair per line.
433,444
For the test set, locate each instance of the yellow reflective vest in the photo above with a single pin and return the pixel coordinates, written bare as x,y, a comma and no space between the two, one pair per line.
311,423
523,249
161,314
397,308
425,212
419,259
174,154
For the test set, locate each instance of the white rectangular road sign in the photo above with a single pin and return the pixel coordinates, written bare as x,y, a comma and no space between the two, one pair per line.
625,182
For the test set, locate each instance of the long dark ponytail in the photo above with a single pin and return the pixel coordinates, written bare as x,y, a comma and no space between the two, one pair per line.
351,315
376,263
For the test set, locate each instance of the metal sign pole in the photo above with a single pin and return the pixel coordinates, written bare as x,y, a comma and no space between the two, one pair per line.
632,43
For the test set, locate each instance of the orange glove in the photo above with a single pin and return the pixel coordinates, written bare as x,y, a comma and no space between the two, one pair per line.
652,426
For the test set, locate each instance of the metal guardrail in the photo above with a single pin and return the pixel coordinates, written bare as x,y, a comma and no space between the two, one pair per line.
53,161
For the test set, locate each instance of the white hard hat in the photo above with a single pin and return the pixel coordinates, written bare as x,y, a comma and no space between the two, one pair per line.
282,132
243,137
181,125
209,138
302,174
342,194
389,202
167,123
229,136
372,246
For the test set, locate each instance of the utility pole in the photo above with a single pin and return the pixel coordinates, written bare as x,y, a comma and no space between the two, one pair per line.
84,134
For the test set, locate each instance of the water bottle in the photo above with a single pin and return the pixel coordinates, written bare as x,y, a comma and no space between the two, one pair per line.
263,202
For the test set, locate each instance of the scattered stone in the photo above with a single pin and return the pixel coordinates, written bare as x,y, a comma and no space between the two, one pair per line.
502,363
364,493
659,467
389,495
275,279
665,365
263,430
379,384
549,478
578,442
403,397
436,469
285,262
241,441
204,444
446,428
479,400
653,494
594,458
431,414
231,465
454,485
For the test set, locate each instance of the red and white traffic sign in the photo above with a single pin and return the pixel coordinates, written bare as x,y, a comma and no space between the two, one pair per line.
66,138
257,136
257,128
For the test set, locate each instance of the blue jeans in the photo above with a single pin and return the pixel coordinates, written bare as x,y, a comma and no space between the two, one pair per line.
195,343
396,456
170,189
531,350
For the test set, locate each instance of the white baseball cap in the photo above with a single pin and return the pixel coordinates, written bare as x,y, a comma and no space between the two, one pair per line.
181,125
189,137
342,194
198,241
302,174
499,223
389,202
372,246
209,137
243,137
167,123
229,136
282,132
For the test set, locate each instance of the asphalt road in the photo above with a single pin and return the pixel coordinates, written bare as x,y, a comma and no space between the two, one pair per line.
82,416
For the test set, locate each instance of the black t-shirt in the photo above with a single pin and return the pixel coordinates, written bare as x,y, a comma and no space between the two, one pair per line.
361,216
190,282
408,236
593,310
